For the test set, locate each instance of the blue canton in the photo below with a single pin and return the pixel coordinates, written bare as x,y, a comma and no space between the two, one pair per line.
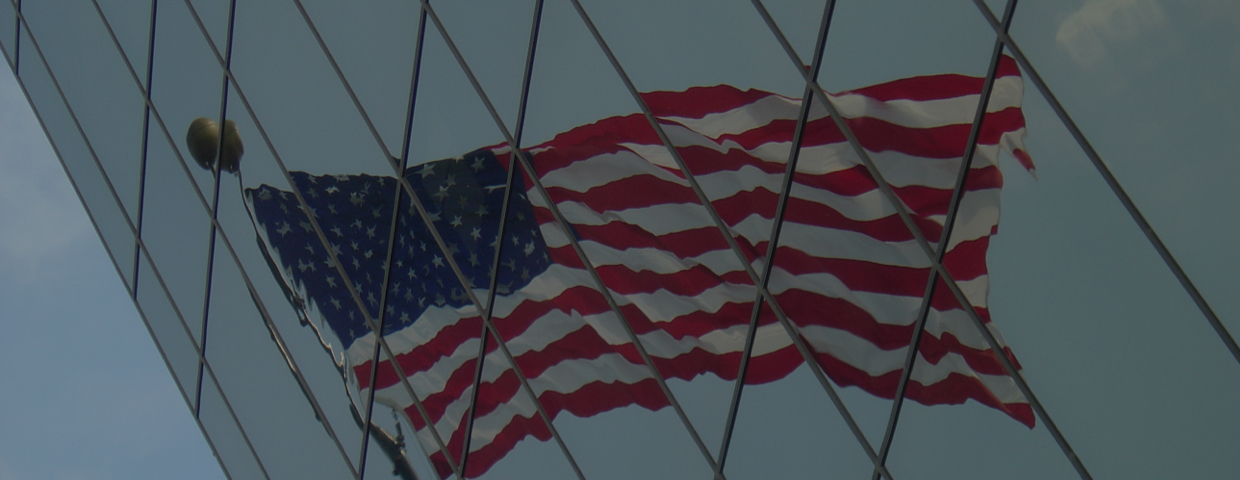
464,197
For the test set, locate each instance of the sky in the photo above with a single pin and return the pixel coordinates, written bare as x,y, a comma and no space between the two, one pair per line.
1108,341
86,395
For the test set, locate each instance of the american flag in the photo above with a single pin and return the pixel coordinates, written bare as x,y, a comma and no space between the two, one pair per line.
847,272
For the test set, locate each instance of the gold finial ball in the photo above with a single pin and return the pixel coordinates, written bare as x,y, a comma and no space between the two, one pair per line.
203,141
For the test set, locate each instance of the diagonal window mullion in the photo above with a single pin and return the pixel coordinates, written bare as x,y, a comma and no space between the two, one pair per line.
1228,340
944,239
776,227
503,223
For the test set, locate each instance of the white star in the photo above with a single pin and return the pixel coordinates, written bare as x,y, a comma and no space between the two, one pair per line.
427,170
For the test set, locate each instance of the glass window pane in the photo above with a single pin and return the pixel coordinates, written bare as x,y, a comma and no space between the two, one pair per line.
788,427
378,64
1103,331
169,330
299,284
101,202
186,83
95,80
1150,86
227,437
176,230
131,22
250,363
8,32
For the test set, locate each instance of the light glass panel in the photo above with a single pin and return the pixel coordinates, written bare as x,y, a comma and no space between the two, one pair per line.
303,107
211,21
799,22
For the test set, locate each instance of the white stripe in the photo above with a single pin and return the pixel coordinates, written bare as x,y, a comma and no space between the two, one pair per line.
1007,93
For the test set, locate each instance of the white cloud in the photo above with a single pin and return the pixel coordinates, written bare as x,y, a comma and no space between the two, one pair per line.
1101,25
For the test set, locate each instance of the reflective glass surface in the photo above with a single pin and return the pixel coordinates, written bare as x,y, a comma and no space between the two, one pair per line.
168,329
396,291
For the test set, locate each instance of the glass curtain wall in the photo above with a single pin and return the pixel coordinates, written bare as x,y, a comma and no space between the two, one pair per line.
582,239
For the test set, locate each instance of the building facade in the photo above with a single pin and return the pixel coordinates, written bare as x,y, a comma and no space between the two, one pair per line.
1126,366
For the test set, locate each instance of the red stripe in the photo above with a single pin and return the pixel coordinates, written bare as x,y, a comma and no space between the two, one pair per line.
875,135
966,261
